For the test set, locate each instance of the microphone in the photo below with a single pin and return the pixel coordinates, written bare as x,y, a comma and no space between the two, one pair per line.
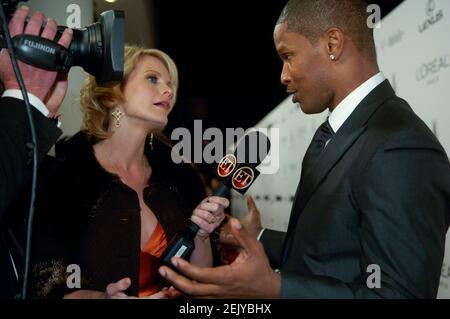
236,171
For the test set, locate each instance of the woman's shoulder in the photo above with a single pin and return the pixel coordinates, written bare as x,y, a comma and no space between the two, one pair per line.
75,146
73,158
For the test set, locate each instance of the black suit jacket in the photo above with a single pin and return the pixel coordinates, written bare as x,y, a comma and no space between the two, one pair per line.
15,171
378,195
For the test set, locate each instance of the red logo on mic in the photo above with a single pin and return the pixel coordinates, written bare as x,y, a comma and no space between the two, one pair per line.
226,165
243,178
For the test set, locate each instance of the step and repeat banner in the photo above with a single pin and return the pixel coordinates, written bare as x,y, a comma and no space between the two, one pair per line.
413,45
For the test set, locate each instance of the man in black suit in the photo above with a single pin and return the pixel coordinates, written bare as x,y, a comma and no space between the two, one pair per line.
46,91
372,207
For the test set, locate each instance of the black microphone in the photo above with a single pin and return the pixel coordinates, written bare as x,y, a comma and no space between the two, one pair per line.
236,171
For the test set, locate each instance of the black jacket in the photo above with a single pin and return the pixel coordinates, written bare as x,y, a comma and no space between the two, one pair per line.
15,173
88,217
378,195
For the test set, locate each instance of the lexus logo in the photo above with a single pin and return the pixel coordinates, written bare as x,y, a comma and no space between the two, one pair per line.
434,15
431,6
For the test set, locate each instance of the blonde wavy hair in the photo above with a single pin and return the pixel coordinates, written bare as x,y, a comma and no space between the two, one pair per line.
97,101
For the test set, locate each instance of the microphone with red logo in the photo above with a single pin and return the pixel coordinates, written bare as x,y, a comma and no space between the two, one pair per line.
236,171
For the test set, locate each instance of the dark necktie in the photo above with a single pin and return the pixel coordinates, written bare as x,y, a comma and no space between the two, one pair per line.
322,135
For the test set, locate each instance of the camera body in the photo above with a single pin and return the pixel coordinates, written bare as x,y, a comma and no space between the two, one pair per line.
98,48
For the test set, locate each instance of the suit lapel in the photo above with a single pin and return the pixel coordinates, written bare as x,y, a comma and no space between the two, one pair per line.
342,141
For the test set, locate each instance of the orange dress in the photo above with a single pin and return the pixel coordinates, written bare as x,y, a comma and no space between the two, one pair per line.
150,262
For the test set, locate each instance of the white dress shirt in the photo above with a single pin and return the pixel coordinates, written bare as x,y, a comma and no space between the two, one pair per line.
34,101
344,109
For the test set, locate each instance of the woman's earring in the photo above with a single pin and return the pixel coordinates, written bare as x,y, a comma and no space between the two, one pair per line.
117,114
151,141
332,57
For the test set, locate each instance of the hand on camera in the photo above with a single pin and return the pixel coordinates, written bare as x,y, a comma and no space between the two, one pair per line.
50,87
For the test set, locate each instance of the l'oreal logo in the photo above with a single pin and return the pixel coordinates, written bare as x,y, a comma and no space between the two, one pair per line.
39,46
433,16
433,67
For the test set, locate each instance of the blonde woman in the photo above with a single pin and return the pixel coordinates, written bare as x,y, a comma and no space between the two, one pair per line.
113,196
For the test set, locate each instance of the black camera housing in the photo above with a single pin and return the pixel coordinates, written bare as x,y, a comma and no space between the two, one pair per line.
98,48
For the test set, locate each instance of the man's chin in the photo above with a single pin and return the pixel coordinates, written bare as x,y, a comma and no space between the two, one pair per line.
305,109
311,109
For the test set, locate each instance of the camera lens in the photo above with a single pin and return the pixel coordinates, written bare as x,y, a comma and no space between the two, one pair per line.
99,48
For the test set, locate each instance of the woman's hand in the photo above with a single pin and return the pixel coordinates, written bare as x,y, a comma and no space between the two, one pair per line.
209,214
113,291
165,293
116,290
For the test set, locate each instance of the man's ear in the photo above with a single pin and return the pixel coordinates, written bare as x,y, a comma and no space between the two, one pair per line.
334,41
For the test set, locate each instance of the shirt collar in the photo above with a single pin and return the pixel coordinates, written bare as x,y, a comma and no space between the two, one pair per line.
343,110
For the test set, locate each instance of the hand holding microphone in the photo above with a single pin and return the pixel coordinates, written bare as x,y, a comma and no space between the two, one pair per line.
204,220
237,171
209,214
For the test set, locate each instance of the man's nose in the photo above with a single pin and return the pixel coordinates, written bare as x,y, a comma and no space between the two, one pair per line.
285,76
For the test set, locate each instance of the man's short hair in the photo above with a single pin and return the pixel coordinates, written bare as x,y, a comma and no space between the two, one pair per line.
311,18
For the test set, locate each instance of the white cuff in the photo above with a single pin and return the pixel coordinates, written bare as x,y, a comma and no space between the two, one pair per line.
260,234
34,101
